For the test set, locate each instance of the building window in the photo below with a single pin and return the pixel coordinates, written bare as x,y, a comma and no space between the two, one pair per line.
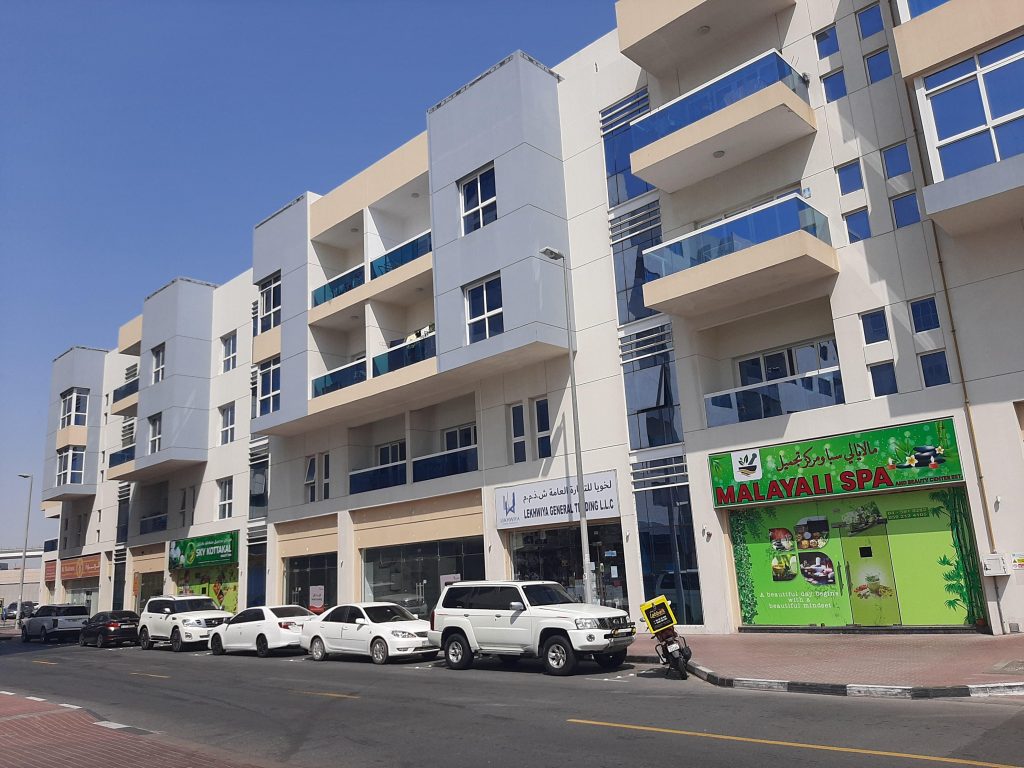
226,490
325,475
73,406
934,368
479,201
870,21
155,432
183,506
542,427
457,438
668,553
834,85
158,364
648,373
905,211
517,425
976,109
876,328
390,453
896,160
883,379
227,423
632,233
259,479
269,387
925,314
618,144
483,309
828,42
309,484
71,465
878,65
850,177
229,351
269,304
858,226
797,360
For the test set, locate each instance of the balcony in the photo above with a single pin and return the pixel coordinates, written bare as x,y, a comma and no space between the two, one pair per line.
403,254
117,458
806,392
343,283
376,478
983,199
406,354
444,464
741,115
153,524
664,35
772,256
125,399
129,337
339,378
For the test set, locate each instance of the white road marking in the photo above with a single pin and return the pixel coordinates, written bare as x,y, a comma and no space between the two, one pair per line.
34,698
6,693
109,724
69,706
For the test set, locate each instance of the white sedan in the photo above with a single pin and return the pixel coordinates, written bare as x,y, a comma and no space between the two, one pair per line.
263,630
379,630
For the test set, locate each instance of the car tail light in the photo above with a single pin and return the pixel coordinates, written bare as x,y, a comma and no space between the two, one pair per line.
286,624
431,620
113,625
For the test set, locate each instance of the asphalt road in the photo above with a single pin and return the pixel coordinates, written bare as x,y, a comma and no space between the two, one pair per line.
290,711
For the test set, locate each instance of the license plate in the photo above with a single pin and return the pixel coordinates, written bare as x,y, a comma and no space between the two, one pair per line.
622,632
128,626
672,647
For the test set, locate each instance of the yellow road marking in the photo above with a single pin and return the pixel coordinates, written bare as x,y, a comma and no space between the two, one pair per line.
795,744
148,674
40,661
329,695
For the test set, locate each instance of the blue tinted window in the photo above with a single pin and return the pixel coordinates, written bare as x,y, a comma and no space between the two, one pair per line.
834,85
630,272
879,66
925,314
917,7
876,328
828,42
870,21
750,371
622,184
668,555
652,408
850,178
935,369
896,160
883,379
905,211
1004,51
958,109
1005,89
1010,138
967,154
949,74
857,226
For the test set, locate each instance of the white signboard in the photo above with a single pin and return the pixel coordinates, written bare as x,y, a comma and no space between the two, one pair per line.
556,501
316,596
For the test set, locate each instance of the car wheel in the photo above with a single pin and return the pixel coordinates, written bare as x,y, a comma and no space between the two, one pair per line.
429,656
262,647
81,640
216,645
379,651
24,635
177,645
559,657
610,660
144,642
318,650
457,653
508,660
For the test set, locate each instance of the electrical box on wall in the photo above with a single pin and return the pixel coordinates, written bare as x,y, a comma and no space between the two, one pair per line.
995,565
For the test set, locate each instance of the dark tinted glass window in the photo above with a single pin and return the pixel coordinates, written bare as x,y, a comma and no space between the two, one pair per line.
123,615
98,618
495,598
883,379
289,611
73,610
875,327
925,314
457,597
935,369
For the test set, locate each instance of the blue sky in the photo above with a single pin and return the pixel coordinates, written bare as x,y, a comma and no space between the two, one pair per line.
142,140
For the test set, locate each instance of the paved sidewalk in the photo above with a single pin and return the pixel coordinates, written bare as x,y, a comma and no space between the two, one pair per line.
9,631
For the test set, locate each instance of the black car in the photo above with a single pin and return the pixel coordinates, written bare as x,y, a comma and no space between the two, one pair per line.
111,628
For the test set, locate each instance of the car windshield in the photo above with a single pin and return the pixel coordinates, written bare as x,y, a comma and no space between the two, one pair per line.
74,610
379,614
547,594
124,615
195,604
289,611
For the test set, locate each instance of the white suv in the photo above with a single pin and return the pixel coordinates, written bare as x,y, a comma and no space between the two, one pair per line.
180,620
526,619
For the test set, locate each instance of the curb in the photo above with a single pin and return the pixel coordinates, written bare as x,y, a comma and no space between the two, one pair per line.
846,689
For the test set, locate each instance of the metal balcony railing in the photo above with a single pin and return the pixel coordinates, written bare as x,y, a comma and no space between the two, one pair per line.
806,392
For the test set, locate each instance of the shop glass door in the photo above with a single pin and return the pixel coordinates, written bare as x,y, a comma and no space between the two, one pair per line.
869,572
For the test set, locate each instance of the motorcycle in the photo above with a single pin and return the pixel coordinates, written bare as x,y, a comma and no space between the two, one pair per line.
672,651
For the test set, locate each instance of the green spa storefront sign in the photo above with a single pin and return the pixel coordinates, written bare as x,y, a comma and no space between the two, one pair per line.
868,529
202,551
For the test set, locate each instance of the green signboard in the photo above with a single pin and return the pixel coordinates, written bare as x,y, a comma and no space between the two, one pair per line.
892,458
215,549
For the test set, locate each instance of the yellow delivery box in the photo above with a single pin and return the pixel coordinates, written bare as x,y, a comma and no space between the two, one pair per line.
658,614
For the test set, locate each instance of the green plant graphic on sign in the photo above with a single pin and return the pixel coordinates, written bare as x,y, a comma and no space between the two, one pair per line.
744,527
955,583
961,577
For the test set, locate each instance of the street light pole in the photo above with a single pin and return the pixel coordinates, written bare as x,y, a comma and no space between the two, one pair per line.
555,255
24,551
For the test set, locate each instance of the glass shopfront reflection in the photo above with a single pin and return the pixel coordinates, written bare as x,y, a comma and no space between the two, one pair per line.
312,581
668,554
554,554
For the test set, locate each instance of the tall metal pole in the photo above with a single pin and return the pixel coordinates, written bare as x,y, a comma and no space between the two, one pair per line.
24,552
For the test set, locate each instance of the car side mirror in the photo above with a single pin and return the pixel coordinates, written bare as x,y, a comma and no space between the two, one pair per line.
360,620
515,605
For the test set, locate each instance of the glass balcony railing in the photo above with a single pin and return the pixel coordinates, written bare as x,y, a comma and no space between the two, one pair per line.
339,378
153,524
775,398
405,354
120,457
717,95
917,7
778,218
50,545
403,254
444,464
343,283
130,388
375,478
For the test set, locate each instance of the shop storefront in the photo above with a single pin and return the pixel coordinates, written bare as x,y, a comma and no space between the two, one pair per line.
862,529
80,577
541,521
309,556
147,564
49,582
207,565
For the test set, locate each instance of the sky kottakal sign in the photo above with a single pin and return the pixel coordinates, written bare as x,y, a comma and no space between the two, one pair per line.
215,549
902,457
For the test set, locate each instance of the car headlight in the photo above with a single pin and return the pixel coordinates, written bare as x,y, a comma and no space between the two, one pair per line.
402,633
191,623
587,624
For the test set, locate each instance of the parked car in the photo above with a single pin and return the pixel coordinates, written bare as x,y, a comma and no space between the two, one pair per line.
110,628
28,608
381,631
517,619
53,622
263,630
183,620
413,603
